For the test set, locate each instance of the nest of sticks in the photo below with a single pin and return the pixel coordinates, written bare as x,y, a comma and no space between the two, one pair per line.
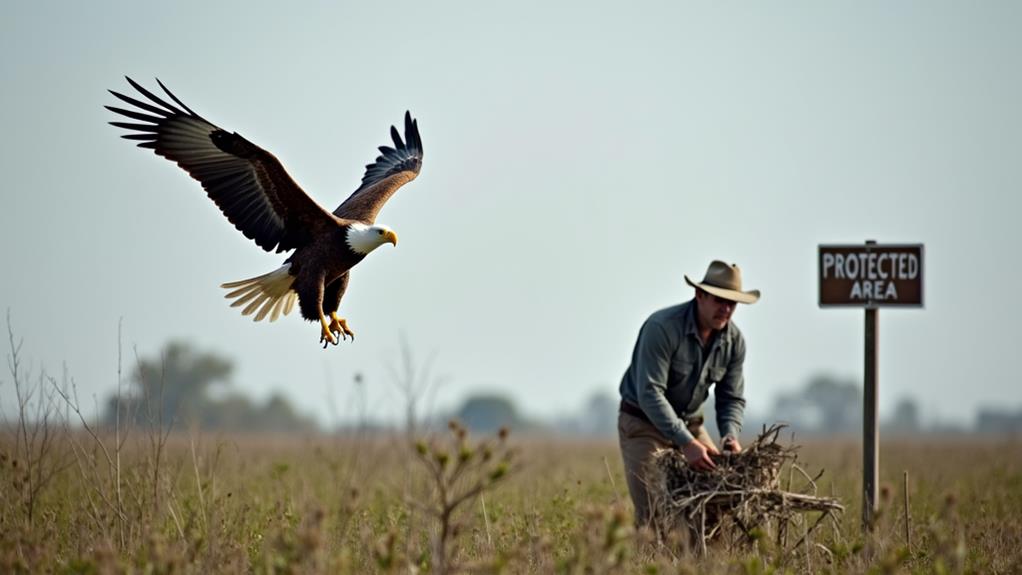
742,498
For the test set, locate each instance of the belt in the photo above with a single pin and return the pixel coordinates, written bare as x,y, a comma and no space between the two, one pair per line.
636,411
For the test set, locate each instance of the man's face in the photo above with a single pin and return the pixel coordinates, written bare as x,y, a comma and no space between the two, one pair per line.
714,311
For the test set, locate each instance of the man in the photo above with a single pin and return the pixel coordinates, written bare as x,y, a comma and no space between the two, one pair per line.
682,351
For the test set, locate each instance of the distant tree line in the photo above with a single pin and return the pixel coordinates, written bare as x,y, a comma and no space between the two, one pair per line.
999,421
187,387
824,405
176,388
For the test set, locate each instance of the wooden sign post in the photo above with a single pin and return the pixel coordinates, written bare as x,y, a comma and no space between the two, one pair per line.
871,276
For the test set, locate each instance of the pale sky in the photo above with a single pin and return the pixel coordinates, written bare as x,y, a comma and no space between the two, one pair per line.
580,158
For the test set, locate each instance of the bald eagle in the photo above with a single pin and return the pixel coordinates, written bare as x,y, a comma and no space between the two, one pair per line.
256,194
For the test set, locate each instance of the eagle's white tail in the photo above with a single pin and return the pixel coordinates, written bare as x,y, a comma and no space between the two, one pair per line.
269,293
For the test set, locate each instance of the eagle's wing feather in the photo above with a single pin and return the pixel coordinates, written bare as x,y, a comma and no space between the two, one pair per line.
247,183
394,168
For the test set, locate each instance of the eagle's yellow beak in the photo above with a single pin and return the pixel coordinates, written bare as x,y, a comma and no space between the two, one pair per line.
391,237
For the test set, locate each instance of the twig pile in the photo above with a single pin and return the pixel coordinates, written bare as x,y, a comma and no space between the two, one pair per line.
743,490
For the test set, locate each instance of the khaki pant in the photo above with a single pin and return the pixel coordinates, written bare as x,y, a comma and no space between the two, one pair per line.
639,440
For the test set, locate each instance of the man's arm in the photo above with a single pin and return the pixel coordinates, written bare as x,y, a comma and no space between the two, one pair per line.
652,364
730,396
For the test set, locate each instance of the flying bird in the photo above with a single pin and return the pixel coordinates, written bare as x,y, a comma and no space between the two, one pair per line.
256,194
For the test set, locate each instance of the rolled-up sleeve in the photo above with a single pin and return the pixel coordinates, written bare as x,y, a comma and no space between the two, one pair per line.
730,394
652,364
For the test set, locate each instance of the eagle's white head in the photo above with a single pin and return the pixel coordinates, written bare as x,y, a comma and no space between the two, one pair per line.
363,239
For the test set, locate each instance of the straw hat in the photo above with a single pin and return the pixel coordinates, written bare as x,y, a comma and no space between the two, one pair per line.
725,281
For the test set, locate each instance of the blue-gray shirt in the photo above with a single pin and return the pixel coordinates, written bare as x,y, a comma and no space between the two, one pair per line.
670,375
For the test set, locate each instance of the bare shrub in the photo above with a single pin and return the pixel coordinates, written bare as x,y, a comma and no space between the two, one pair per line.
459,472
34,455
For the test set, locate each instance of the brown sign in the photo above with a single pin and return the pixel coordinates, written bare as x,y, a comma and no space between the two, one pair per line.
871,275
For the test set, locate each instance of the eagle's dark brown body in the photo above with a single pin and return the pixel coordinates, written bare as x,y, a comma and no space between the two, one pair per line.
255,193
322,287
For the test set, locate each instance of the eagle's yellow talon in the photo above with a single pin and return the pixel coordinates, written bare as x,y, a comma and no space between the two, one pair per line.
326,336
340,326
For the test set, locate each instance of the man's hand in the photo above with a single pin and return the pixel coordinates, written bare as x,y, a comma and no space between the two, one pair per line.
731,444
710,448
697,455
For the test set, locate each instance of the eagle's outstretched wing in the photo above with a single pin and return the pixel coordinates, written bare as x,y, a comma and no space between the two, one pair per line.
247,183
394,168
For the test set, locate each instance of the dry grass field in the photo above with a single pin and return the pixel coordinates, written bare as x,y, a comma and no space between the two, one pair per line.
74,502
